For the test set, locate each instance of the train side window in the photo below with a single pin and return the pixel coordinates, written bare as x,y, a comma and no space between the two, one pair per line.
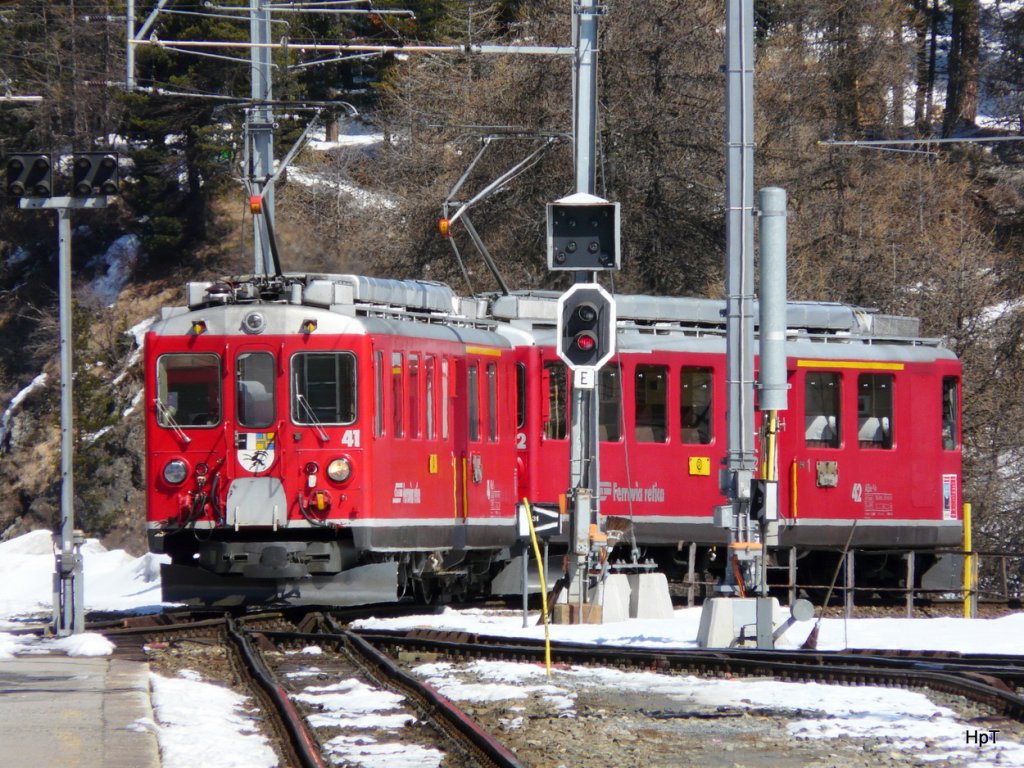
520,395
950,411
696,415
874,410
609,419
650,395
445,367
324,388
555,421
378,385
396,394
492,402
428,376
821,410
473,395
254,389
413,395
188,390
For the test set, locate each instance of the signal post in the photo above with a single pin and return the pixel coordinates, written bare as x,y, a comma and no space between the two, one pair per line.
583,237
29,179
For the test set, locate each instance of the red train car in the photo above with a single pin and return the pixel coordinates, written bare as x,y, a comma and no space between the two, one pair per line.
325,440
869,450
339,439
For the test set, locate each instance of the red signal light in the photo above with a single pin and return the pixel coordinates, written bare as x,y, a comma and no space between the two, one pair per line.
585,342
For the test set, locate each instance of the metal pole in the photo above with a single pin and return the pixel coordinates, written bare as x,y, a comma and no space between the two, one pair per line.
129,77
739,239
583,451
68,578
71,619
260,122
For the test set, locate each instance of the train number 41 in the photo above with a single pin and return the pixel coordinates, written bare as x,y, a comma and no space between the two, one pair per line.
350,438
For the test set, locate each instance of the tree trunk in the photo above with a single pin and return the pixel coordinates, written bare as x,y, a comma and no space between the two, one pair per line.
964,51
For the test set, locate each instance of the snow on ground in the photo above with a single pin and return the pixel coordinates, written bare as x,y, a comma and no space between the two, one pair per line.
194,715
184,708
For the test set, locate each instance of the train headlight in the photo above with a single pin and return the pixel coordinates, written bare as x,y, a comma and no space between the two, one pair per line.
175,472
339,470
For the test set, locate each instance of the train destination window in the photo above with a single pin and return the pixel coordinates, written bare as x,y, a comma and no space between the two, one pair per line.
254,390
473,395
650,397
874,410
188,390
821,410
950,402
324,388
609,388
695,412
555,415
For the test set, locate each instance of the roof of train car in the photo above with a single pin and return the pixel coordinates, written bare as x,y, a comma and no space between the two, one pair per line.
362,305
281,319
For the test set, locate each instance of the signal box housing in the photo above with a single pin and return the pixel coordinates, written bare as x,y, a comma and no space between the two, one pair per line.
583,234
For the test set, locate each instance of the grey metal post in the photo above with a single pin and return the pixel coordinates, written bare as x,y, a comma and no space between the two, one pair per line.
584,17
583,450
772,383
71,619
739,239
129,76
911,557
68,577
851,584
792,576
261,131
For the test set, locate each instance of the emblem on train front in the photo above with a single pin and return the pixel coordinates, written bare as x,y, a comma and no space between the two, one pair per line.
255,451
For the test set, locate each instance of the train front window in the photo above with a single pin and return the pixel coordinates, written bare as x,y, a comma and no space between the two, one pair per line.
188,390
254,389
821,410
950,409
695,412
650,393
323,388
874,410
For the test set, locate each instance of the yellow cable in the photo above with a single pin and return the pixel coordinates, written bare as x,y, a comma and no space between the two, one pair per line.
543,586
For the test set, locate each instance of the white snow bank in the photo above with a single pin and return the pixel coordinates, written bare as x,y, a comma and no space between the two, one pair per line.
203,724
114,580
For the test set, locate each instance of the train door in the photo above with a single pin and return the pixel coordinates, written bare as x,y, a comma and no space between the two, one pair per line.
256,494
488,453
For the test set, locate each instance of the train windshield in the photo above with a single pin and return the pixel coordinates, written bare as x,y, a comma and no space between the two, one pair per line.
324,388
188,390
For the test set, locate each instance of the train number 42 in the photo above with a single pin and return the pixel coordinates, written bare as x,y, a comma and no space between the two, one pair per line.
350,438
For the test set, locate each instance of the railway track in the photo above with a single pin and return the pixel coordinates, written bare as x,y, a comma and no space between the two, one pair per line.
994,681
254,646
267,656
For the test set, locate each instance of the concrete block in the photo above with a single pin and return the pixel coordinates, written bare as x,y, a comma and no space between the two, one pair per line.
649,597
724,620
616,598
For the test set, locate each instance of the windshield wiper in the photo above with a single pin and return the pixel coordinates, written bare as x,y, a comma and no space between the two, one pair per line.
312,417
168,418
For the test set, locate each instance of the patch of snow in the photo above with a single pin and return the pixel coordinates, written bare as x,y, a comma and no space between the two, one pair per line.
203,724
5,420
119,260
